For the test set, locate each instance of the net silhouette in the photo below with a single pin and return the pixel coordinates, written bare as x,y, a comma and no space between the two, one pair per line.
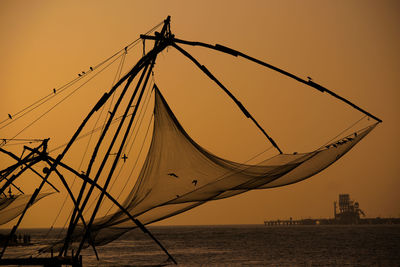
178,175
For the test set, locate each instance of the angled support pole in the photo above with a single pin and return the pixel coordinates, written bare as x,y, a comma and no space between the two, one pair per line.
71,195
109,176
310,83
31,200
111,198
27,166
130,75
237,102
74,219
10,180
159,46
26,163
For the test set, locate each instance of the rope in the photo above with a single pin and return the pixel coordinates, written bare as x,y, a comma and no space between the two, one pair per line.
133,130
143,111
88,133
62,100
117,76
50,96
73,182
67,85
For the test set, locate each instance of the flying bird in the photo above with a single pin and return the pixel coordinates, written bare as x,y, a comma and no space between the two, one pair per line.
173,174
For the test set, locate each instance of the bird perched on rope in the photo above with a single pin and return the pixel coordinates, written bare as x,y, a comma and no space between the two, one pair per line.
173,174
54,90
9,115
91,68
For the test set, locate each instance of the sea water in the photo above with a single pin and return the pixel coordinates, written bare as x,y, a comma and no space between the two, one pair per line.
243,245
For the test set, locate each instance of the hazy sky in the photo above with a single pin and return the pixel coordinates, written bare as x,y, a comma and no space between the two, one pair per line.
350,47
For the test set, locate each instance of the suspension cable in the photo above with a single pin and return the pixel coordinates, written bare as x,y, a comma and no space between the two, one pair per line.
49,96
62,100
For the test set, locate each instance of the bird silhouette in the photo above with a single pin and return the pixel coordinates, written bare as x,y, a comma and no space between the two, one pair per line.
83,72
79,74
173,174
54,90
91,68
194,182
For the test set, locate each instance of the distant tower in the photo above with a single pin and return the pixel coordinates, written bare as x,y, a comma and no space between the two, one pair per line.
349,211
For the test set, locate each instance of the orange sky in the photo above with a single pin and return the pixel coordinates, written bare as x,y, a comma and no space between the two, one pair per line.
350,47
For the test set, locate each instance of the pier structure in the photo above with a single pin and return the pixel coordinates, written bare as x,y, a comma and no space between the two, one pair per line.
347,213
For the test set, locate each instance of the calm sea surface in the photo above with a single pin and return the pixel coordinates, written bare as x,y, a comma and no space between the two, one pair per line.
246,245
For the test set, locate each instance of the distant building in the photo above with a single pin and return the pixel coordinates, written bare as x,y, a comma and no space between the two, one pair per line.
349,211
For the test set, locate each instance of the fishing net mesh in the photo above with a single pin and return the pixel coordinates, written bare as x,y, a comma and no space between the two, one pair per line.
178,175
12,207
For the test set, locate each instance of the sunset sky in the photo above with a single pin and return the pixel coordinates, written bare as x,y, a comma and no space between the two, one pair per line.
350,47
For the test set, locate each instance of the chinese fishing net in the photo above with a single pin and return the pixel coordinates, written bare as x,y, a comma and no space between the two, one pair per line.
178,175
